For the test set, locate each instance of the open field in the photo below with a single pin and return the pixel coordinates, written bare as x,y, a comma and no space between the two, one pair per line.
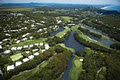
76,68
16,57
18,9
28,42
62,33
67,18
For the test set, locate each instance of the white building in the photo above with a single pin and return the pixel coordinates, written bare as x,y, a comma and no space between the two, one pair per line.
81,60
30,46
41,44
36,54
24,39
14,48
19,48
37,44
0,47
34,50
27,52
31,56
47,46
7,51
10,67
18,41
26,46
25,59
31,37
18,63
43,50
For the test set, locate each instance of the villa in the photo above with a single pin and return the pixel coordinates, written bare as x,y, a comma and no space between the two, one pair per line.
0,47
25,59
10,67
41,44
36,54
31,56
18,63
14,48
19,48
7,51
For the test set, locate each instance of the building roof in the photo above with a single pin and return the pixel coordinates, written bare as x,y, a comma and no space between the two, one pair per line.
13,48
31,45
0,47
36,53
26,46
10,67
19,48
31,56
37,44
7,51
81,60
41,44
34,50
27,52
25,59
18,63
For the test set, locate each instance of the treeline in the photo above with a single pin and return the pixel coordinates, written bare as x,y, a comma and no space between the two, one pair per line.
54,69
93,62
112,31
115,46
28,65
99,66
91,45
88,32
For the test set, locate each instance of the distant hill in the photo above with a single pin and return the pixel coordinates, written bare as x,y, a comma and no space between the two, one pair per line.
49,4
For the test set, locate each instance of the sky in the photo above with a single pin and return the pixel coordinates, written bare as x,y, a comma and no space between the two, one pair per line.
65,1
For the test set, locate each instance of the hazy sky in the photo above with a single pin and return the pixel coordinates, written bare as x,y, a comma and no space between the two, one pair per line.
65,1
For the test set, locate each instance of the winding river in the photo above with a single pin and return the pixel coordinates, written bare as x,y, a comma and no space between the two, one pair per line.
72,43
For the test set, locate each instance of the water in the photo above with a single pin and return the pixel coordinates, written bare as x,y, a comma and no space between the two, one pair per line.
112,8
94,30
72,43
106,42
59,30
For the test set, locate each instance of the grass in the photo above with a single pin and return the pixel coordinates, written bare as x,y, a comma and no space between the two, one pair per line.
28,42
27,74
62,33
18,9
67,18
85,37
16,57
76,68
62,45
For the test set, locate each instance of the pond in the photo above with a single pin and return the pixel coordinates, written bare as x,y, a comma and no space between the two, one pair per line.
54,33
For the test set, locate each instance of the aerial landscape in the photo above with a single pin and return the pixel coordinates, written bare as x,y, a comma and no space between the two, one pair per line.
59,40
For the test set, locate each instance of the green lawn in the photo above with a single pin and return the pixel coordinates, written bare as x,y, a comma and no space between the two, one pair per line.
76,68
62,45
16,57
18,9
67,18
75,28
62,33
28,42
